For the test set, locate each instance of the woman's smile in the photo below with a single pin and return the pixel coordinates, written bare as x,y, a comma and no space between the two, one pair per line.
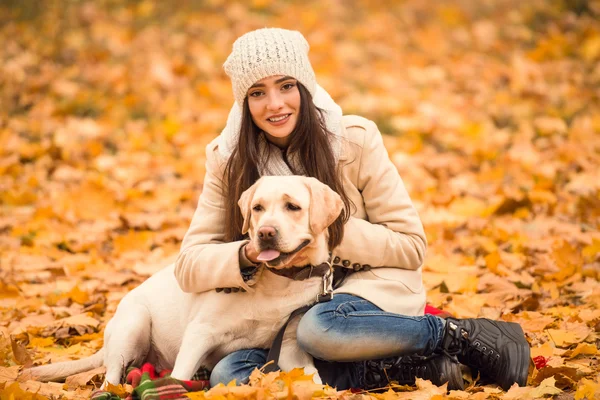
279,119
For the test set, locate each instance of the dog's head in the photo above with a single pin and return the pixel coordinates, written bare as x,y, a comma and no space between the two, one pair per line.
285,214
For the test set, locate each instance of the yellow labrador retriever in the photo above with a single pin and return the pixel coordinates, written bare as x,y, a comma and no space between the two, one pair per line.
159,323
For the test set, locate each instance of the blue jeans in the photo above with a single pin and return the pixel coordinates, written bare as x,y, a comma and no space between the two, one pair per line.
344,331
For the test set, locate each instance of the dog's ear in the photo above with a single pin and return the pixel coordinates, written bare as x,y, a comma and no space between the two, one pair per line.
325,205
245,204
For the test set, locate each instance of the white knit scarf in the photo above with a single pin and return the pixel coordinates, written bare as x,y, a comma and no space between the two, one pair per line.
275,164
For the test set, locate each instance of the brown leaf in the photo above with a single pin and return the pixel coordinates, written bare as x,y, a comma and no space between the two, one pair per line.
566,377
20,353
93,376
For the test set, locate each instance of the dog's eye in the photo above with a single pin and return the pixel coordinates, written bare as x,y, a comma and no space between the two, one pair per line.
292,207
258,208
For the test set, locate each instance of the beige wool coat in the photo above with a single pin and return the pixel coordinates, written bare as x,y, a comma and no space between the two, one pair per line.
384,232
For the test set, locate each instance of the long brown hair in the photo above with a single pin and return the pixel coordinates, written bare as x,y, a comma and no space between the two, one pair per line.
309,138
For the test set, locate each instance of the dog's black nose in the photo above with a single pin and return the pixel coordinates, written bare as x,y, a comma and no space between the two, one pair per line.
267,233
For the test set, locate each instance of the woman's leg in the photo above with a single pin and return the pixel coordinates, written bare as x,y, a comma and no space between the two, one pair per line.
349,328
238,365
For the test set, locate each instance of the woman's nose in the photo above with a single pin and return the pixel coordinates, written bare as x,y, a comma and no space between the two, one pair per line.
275,101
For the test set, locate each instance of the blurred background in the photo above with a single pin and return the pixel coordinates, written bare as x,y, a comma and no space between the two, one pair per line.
490,110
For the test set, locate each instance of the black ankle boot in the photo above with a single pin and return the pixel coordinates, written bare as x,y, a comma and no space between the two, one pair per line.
497,349
438,368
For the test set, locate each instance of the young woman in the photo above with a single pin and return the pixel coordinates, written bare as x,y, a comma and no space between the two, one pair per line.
283,123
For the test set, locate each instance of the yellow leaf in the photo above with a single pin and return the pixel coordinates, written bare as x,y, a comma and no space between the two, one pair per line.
542,196
565,337
61,351
78,296
119,390
546,350
232,383
7,290
465,306
261,3
14,392
40,342
18,197
590,48
8,374
568,260
469,207
196,395
296,374
133,241
87,337
587,389
430,388
171,127
546,387
591,251
584,348
493,261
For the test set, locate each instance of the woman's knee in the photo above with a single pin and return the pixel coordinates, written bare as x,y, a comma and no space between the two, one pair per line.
237,365
314,334
222,372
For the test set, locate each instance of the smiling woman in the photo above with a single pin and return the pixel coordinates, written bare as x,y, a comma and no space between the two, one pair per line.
283,123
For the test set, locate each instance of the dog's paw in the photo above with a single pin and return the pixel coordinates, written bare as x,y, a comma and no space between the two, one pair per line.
316,377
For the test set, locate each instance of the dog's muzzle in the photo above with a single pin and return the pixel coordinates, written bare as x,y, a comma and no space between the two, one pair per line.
284,256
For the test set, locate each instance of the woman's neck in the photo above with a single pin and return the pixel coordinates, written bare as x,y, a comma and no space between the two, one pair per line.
282,143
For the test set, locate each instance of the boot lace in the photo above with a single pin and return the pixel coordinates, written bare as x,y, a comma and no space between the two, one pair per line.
403,370
483,358
475,354
406,369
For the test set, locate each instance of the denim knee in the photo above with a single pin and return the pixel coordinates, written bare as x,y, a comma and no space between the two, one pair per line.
312,334
222,372
237,365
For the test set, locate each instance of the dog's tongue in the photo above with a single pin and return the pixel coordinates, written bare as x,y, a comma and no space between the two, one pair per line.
268,255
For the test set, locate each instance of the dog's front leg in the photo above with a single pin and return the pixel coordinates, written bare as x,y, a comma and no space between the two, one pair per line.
197,343
292,356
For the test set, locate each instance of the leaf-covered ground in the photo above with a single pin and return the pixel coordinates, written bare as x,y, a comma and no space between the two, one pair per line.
492,116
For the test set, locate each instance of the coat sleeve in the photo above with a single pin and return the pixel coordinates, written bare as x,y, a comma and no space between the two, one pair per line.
392,235
205,261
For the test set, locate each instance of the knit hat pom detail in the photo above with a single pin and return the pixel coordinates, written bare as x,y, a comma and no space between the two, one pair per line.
268,52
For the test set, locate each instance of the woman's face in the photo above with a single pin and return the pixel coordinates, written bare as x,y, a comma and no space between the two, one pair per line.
274,104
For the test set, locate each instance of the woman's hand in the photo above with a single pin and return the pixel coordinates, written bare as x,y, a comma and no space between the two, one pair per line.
299,259
251,253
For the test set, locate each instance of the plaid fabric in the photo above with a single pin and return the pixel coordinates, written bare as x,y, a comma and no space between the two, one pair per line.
150,385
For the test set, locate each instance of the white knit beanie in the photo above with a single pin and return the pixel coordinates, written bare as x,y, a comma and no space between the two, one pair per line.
268,52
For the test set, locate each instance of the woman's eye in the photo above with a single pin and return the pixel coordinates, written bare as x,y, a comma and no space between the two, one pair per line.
292,207
287,86
257,208
255,94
